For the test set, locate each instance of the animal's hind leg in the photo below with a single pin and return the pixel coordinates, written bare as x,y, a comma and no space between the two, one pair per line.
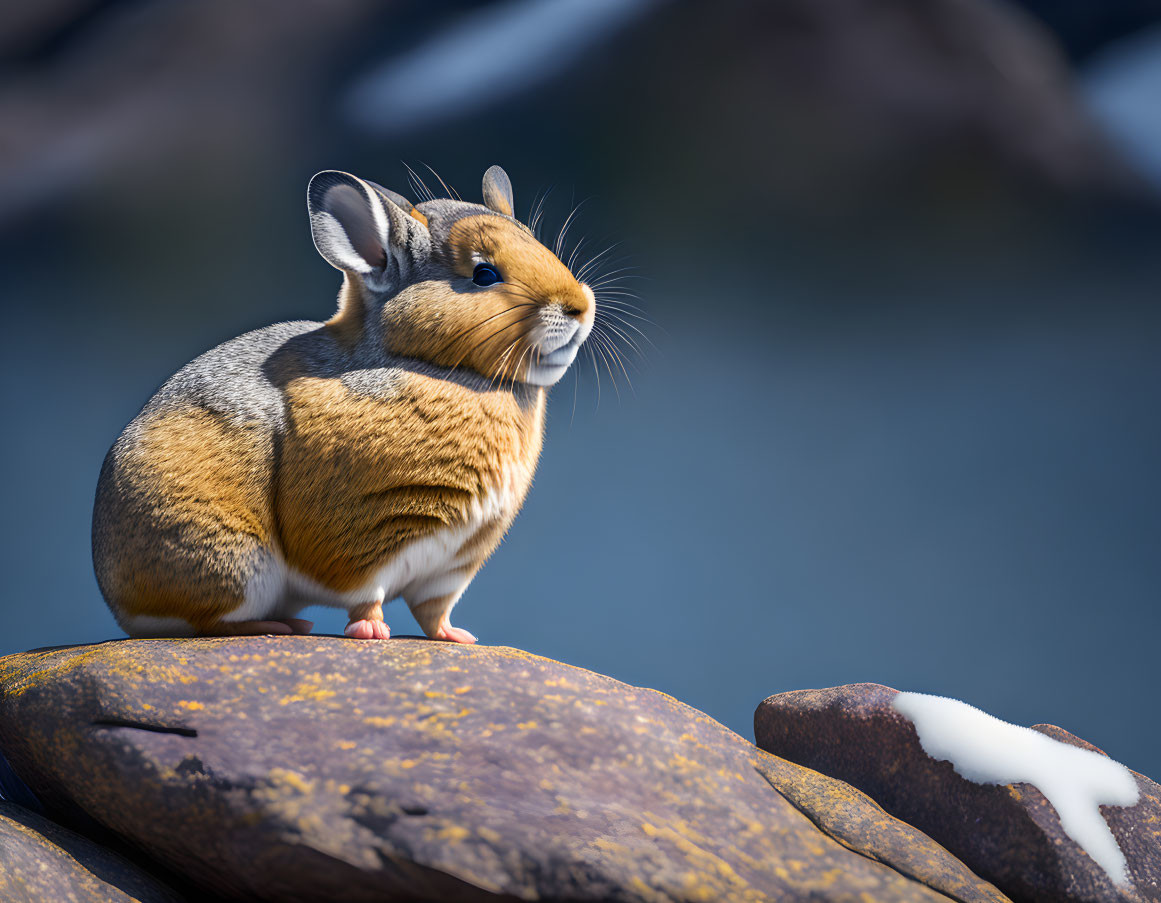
434,616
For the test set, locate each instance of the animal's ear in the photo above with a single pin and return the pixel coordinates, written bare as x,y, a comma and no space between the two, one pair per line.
358,230
498,191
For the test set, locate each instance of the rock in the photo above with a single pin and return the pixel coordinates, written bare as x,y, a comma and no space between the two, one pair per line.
310,768
838,107
1008,834
41,861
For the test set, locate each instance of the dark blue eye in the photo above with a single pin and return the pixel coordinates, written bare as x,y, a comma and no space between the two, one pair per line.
485,274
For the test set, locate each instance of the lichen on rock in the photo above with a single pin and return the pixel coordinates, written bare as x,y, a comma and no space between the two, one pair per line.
315,768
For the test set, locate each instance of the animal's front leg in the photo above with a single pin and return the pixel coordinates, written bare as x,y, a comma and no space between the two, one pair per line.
367,622
433,611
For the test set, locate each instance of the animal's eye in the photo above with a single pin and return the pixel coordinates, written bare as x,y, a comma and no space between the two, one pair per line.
485,274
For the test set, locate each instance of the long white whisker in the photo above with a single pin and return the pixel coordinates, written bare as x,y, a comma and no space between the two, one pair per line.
558,246
451,192
592,262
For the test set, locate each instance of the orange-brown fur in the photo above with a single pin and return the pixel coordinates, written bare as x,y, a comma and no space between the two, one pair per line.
191,478
431,321
361,476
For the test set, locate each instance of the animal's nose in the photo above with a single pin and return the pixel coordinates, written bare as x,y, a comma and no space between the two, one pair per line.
578,303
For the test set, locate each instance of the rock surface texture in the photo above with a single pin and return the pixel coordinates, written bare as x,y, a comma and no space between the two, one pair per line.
303,768
1006,833
41,862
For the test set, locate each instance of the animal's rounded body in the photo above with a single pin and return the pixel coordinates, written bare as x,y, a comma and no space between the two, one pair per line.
382,454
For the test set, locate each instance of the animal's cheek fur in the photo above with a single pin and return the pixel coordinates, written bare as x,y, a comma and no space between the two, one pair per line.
483,330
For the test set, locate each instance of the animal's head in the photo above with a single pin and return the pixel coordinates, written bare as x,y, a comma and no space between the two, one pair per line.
448,282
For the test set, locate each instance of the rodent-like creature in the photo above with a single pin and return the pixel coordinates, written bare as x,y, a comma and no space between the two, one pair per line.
383,453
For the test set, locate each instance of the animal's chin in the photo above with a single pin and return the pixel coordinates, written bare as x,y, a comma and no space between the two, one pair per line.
549,368
541,375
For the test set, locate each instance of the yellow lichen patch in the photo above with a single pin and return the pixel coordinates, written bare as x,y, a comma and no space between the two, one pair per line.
345,744
313,688
693,852
190,704
487,834
696,887
644,890
526,725
681,764
460,691
291,779
453,833
377,721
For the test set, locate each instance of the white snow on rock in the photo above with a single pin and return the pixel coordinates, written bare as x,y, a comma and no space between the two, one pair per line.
986,750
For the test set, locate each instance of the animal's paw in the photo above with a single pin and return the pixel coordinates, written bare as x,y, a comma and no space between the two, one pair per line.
455,634
368,629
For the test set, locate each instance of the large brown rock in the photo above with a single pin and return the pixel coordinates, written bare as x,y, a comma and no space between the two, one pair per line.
41,862
300,768
1009,834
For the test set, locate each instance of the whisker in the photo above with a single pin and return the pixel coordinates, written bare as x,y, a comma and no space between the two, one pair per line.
418,185
451,192
628,341
519,363
596,372
607,278
575,393
619,318
599,345
627,297
572,257
501,364
474,326
537,212
489,338
559,244
613,351
592,261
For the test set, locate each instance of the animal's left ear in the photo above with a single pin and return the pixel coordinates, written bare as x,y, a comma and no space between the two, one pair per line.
363,232
498,191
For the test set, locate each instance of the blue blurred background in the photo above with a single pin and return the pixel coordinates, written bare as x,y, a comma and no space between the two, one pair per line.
901,262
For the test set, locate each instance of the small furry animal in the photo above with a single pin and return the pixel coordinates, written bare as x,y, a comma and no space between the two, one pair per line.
382,453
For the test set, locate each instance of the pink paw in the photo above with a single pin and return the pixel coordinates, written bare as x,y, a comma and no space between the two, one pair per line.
368,630
455,634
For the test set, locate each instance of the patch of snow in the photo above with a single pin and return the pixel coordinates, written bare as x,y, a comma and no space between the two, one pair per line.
986,750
